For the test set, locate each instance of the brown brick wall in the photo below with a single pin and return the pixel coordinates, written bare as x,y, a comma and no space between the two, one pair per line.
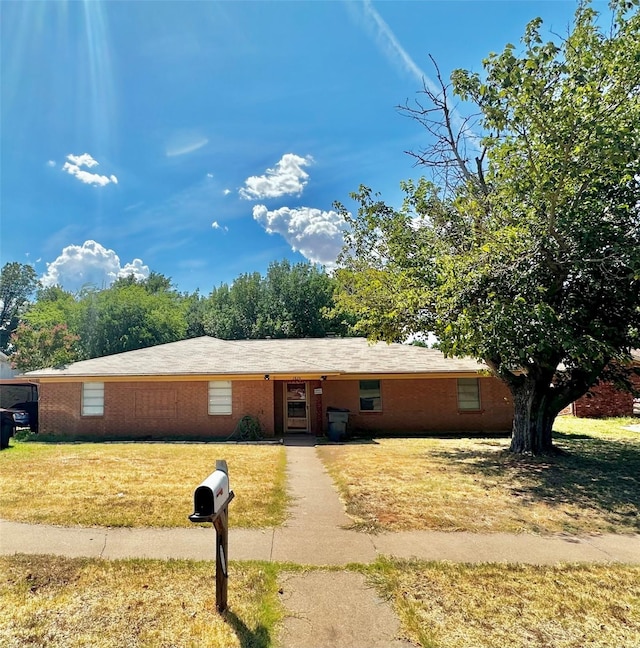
160,409
423,405
153,409
605,400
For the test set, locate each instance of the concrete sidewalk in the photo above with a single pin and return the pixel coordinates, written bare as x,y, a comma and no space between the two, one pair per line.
321,546
335,608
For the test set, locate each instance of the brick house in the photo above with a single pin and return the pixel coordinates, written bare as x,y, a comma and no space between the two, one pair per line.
605,400
202,387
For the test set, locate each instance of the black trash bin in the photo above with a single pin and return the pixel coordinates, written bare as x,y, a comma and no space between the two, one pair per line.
337,418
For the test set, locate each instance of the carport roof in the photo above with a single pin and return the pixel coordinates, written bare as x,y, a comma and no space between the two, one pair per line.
207,356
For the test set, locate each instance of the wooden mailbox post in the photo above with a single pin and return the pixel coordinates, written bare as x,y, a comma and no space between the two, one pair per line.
211,504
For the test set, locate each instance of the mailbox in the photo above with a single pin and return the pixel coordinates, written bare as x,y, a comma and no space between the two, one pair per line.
211,497
211,504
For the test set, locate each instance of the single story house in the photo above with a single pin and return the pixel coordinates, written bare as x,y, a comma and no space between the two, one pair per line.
604,399
202,387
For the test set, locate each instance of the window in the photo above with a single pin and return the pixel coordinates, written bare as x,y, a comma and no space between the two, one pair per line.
468,394
220,397
370,400
92,399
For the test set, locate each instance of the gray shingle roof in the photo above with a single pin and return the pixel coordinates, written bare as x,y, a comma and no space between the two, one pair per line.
211,356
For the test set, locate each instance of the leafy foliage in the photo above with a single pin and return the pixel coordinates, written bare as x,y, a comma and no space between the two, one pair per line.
291,301
43,347
60,327
128,317
523,249
17,282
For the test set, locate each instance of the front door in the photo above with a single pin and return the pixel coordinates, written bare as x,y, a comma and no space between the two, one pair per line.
296,412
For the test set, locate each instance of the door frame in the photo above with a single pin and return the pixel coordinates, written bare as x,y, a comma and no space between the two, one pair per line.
285,402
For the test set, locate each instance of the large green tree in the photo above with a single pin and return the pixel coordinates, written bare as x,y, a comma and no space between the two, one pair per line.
128,316
47,334
37,348
523,247
18,281
290,301
231,312
298,302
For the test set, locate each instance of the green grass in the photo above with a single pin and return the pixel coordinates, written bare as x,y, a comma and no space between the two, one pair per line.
443,605
137,484
54,602
614,429
454,484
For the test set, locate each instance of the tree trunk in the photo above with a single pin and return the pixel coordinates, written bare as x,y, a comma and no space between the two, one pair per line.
534,414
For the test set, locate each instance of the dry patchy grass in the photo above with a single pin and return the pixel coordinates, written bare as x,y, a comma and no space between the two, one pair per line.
445,605
474,485
71,603
136,484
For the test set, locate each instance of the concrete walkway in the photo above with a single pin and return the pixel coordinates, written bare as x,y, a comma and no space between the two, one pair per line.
325,546
325,608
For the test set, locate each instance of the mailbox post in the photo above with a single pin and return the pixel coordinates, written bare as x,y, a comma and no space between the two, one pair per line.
211,504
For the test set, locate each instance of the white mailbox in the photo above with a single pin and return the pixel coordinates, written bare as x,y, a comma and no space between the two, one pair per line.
211,497
211,503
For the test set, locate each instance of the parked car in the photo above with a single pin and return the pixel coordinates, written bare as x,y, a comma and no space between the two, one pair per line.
31,408
10,419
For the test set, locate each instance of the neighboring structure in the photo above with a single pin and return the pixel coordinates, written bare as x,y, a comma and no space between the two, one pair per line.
605,400
202,387
6,371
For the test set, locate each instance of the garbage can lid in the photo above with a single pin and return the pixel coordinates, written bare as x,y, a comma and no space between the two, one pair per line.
337,409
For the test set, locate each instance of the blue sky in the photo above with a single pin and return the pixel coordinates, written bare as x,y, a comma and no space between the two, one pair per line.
203,139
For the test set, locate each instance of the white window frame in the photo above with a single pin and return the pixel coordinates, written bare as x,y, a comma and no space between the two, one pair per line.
220,397
92,399
468,394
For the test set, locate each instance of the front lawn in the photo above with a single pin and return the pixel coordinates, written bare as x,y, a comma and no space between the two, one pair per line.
68,603
55,602
136,484
446,605
473,484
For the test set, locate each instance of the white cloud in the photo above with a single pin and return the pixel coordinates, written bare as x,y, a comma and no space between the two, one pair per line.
51,163
85,176
90,263
226,192
216,226
185,142
286,178
392,48
316,234
135,268
72,167
82,160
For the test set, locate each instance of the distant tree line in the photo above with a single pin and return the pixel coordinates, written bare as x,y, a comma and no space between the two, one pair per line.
49,326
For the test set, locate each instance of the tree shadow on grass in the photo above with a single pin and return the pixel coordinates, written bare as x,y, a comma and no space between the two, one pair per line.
601,475
257,638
